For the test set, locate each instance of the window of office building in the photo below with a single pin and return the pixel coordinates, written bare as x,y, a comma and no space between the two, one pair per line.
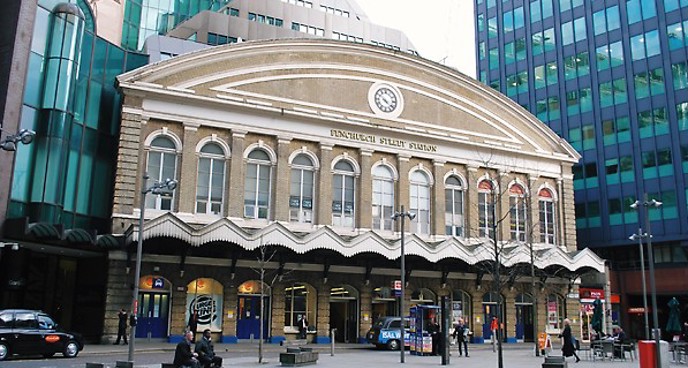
162,165
606,20
453,198
582,138
657,163
620,211
616,130
494,59
492,27
645,45
613,92
679,74
609,56
619,170
517,83
576,65
546,75
588,214
565,5
682,115
485,208
547,216
383,198
513,19
302,189
211,179
573,31
653,122
257,185
517,213
547,109
671,5
638,10
540,9
677,35
585,176
578,101
343,194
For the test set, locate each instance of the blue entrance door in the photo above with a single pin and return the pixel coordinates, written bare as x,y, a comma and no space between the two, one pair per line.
524,322
152,316
248,322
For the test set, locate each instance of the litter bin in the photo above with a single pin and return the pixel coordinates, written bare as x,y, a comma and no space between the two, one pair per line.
646,354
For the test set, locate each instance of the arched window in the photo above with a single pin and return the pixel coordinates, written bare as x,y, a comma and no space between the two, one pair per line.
453,200
343,194
556,311
210,187
302,189
299,300
162,165
547,217
383,198
485,205
258,184
517,213
420,202
423,296
461,306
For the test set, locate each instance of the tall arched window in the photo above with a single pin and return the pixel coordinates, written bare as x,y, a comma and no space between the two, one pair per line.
556,311
485,205
383,198
547,218
517,213
162,165
343,194
299,301
211,179
302,189
258,184
420,202
453,204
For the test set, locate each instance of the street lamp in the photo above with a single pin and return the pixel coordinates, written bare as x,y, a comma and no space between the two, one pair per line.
24,136
156,188
401,215
653,288
639,237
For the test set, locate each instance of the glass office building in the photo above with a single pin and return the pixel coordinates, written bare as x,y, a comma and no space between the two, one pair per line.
611,77
60,199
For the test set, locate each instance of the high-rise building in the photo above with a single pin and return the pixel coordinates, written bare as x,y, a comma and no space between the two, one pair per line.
611,77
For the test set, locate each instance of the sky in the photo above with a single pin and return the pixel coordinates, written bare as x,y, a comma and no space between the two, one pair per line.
441,30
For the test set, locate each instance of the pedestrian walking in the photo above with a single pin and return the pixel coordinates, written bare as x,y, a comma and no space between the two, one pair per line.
122,327
303,327
461,333
494,327
193,324
568,348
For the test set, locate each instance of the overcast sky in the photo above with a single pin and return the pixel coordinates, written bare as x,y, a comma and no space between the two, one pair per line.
441,30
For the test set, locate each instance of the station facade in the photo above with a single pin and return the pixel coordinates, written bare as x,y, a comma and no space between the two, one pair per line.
293,155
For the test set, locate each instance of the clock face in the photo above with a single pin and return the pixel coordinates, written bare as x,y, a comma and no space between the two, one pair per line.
386,100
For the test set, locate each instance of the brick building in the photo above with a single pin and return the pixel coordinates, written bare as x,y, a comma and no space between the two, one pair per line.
304,148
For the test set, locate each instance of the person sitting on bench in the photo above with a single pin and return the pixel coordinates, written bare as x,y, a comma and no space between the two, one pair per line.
183,357
206,351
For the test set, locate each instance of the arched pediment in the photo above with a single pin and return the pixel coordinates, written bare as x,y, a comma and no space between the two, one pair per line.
326,80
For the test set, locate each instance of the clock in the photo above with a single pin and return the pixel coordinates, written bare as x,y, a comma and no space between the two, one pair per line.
386,100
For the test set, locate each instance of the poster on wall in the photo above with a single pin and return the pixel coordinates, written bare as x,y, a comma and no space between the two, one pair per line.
205,297
552,318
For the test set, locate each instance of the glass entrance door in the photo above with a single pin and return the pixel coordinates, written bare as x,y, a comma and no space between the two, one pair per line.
153,315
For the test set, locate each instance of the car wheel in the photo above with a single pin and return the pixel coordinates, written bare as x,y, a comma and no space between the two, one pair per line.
71,349
4,351
393,344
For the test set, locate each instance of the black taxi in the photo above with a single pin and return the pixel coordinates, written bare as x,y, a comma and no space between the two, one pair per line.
31,332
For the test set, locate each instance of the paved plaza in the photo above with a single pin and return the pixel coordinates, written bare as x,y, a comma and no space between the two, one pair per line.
359,355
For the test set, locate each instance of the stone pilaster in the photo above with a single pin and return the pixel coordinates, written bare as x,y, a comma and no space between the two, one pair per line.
188,171
324,186
471,206
567,213
322,334
365,192
502,210
366,303
281,190
277,306
437,202
533,211
129,161
478,317
510,307
235,189
230,302
402,185
118,296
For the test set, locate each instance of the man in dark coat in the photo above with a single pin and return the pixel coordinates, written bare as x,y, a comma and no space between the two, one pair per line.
434,331
206,351
303,327
122,326
183,357
461,332
193,324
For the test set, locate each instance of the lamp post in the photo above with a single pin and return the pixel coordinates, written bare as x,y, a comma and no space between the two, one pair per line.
639,237
24,136
156,188
653,288
402,215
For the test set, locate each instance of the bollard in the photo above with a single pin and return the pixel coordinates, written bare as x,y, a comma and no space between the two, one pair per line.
123,364
332,341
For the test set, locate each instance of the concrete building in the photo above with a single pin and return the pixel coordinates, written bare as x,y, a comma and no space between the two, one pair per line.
609,77
305,149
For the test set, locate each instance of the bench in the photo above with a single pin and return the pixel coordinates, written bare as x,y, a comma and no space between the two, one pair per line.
296,357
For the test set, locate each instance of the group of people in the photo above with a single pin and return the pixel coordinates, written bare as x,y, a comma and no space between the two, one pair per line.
202,356
460,334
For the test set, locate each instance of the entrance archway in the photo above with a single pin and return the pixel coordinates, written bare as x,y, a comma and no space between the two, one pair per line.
344,313
153,307
248,310
490,302
524,317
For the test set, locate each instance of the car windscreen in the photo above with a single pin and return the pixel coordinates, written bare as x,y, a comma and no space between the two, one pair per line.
45,322
380,322
6,320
